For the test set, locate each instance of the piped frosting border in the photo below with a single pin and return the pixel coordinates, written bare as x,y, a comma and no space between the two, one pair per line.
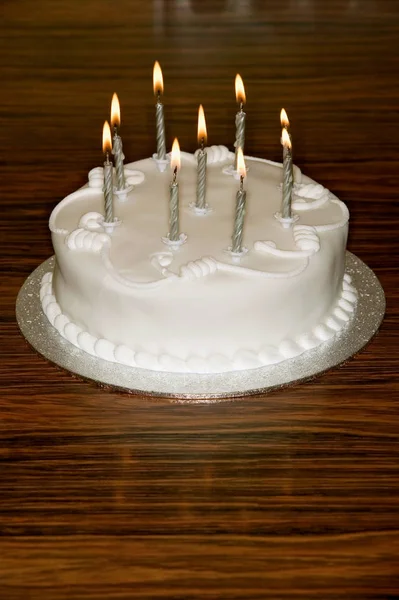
217,363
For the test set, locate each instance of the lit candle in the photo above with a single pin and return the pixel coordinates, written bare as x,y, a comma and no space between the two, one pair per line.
240,206
287,176
201,171
240,117
117,147
160,123
108,171
174,234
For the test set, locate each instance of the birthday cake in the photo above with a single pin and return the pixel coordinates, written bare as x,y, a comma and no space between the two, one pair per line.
126,295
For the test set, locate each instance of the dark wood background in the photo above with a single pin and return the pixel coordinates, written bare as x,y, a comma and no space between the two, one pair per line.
290,495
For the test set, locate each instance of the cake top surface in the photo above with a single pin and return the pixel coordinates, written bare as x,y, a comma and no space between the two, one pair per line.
137,251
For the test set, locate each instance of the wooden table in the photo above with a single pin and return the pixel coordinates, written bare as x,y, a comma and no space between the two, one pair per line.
290,495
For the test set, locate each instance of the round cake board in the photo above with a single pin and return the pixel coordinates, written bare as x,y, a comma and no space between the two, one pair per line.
44,338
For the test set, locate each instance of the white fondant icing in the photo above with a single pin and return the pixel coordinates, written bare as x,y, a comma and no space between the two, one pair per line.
124,355
194,308
323,333
96,178
146,361
349,295
134,177
341,314
269,355
308,341
46,300
71,332
105,349
45,289
60,322
289,349
245,359
333,324
52,311
87,342
345,304
242,359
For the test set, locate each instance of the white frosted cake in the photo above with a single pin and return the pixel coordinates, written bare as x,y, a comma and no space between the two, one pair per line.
125,296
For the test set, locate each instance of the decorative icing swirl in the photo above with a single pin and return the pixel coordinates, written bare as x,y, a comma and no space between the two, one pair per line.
199,268
89,235
216,154
132,177
309,196
305,238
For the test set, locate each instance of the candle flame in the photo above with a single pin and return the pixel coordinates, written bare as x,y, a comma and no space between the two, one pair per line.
175,156
202,133
285,138
115,111
241,163
284,119
157,78
107,144
240,90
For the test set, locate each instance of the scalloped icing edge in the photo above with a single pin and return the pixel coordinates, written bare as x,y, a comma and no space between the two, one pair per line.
217,363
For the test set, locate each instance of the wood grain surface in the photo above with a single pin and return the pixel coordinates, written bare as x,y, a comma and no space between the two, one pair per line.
290,495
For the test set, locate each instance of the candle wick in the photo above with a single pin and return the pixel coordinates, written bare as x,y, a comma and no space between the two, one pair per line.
174,174
159,97
107,157
241,183
202,143
115,130
241,106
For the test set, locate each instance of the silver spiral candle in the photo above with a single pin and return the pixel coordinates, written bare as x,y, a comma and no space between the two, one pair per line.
160,123
108,192
174,210
286,149
240,132
201,179
239,219
287,184
117,151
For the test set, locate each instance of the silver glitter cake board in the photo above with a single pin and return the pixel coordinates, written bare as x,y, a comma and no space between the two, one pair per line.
202,387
